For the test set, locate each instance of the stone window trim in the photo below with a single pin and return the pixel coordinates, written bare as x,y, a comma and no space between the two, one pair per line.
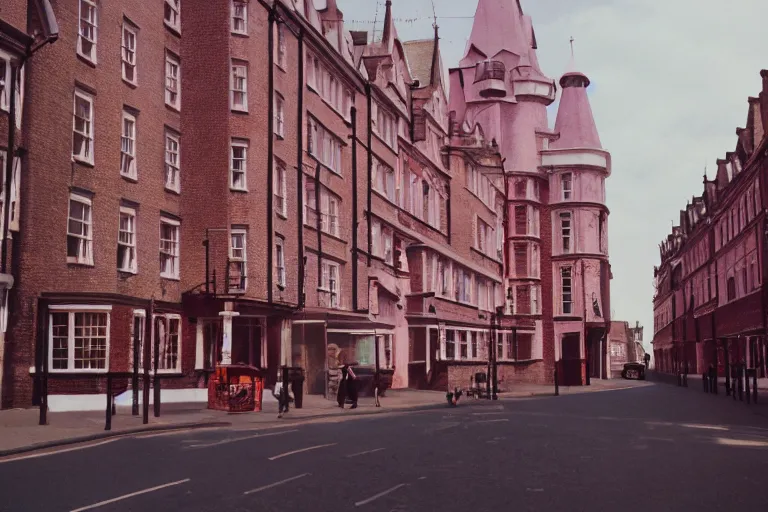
238,176
126,241
80,230
129,43
170,255
83,127
172,80
240,17
102,313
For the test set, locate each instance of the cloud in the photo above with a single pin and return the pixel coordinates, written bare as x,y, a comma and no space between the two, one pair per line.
673,77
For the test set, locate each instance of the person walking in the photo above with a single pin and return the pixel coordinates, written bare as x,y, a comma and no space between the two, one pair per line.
280,392
341,394
351,382
376,387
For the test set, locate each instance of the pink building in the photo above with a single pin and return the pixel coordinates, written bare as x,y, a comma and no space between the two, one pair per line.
556,266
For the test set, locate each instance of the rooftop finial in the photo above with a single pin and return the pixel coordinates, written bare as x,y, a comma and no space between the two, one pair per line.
572,46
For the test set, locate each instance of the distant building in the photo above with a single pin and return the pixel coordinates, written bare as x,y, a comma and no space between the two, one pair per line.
709,305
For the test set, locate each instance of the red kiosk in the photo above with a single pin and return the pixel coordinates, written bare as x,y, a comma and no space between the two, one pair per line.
236,388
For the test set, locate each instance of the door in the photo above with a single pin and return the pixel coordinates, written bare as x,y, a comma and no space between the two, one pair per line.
571,360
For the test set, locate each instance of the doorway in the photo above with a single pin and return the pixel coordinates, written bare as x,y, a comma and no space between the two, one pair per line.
570,361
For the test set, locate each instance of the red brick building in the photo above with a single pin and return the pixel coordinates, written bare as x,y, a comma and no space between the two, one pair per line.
248,182
709,307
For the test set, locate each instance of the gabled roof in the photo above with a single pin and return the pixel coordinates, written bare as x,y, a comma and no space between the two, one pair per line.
420,57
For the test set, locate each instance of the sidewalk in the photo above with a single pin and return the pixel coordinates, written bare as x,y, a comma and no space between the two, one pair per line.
20,432
695,380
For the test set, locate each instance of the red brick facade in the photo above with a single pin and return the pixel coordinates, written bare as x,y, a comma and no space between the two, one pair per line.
709,308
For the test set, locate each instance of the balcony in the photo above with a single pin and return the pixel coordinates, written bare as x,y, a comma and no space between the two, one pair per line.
490,75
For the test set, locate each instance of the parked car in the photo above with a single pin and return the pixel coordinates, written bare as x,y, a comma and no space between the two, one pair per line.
633,371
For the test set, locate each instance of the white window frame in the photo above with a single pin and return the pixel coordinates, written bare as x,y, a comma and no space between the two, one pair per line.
87,134
238,71
128,53
71,311
172,80
324,146
13,214
175,255
172,162
279,179
333,289
566,232
279,120
566,192
240,260
172,14
282,53
128,146
234,170
167,317
131,244
90,23
240,17
280,261
566,306
85,251
5,79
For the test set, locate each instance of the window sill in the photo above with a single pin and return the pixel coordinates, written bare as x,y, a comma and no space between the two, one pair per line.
481,253
86,60
281,287
127,273
281,67
174,108
235,33
236,291
335,111
174,29
132,85
132,179
173,191
74,263
238,190
235,110
170,278
279,136
80,161
282,215
392,147
79,373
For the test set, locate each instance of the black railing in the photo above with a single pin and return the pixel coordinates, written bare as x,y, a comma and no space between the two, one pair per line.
490,70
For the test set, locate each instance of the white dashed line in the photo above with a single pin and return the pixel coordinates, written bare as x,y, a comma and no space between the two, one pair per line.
236,439
131,495
65,450
281,482
365,452
377,496
286,454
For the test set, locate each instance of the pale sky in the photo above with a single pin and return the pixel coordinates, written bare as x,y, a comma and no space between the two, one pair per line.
670,81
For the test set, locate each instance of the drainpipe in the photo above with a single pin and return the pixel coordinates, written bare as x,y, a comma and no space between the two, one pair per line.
300,172
448,211
270,149
318,226
370,168
353,115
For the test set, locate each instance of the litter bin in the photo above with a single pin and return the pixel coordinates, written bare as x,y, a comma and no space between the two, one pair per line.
295,376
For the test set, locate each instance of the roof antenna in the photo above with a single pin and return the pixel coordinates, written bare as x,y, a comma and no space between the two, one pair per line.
434,14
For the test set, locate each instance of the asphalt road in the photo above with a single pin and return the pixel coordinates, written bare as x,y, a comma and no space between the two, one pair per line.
650,448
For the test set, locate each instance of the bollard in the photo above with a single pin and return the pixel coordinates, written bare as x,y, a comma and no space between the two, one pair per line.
740,384
754,387
746,385
108,425
685,378
705,382
557,384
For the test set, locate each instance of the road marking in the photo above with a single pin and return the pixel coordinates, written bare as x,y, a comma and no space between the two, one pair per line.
236,439
486,413
491,421
281,482
286,454
131,495
365,453
377,496
64,450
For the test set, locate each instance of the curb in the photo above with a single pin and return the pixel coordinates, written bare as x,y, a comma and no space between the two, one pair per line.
110,434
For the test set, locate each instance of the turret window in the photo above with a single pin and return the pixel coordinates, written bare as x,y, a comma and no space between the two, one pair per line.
566,185
566,288
565,231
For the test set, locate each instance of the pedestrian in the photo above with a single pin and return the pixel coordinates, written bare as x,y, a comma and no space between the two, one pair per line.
280,392
341,394
376,385
351,386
